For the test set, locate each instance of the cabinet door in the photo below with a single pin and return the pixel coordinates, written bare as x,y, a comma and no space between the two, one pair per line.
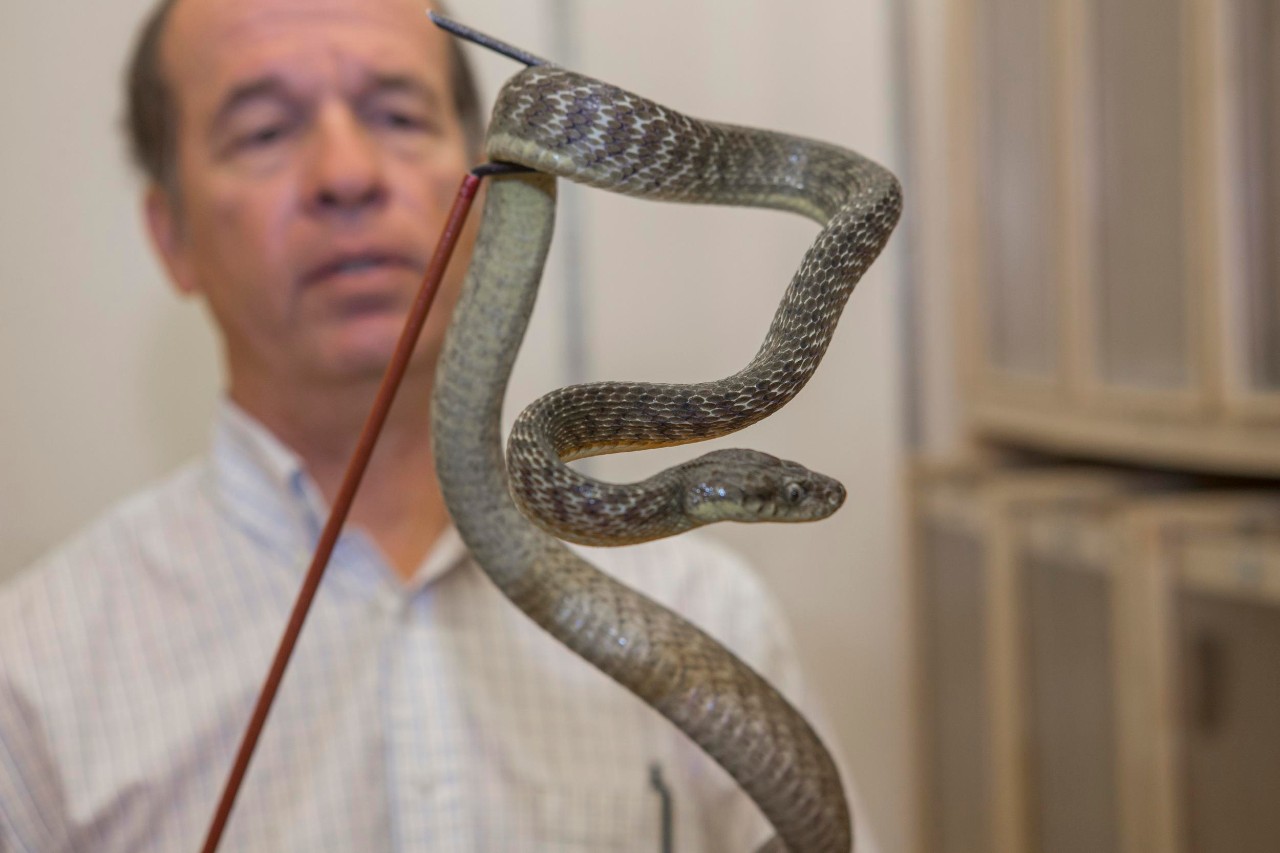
1019,206
1250,55
1009,654
1227,619
956,715
1071,661
1141,298
1119,293
1228,651
1200,746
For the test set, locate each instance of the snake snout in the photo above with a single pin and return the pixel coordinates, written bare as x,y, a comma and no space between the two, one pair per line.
826,496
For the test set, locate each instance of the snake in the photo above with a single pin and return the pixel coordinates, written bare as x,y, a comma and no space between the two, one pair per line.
515,511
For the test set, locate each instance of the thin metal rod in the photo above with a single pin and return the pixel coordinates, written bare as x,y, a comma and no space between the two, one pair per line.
342,504
477,37
498,167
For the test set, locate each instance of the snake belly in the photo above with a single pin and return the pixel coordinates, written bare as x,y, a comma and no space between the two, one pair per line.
565,124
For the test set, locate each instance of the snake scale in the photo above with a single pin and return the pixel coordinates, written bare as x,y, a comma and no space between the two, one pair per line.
563,124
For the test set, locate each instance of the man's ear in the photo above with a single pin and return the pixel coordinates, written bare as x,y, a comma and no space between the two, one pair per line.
164,225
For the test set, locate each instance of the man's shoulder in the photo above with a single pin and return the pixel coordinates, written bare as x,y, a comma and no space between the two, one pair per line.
102,559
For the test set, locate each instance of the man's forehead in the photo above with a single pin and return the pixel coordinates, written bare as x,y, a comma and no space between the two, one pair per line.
221,18
229,37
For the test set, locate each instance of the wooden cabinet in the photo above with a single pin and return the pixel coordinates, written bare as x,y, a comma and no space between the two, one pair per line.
1200,688
1068,578
1116,225
1014,599
1098,662
1098,651
950,558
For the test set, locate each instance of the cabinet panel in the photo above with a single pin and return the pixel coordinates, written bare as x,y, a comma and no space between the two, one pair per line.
1071,664
1141,286
1228,650
1014,585
1201,747
1118,219
1019,206
957,717
1254,51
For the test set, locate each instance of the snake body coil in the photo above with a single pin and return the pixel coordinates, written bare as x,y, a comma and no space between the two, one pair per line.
564,124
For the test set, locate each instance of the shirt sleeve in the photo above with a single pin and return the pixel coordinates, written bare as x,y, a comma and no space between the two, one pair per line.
23,825
30,797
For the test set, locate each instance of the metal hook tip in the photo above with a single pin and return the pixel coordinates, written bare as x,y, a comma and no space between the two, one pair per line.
465,32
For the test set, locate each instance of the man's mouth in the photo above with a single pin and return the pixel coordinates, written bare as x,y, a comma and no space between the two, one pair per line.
359,263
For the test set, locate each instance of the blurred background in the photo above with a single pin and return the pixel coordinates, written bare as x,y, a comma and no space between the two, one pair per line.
1093,523
1046,618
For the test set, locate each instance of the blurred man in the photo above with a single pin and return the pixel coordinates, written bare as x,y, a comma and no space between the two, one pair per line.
300,158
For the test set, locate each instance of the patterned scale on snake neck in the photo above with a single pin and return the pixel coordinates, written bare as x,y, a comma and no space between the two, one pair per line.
565,124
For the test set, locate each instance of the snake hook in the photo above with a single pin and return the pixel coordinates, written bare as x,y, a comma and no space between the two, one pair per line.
465,32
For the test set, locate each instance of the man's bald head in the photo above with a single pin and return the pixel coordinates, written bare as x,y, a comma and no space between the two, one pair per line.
151,110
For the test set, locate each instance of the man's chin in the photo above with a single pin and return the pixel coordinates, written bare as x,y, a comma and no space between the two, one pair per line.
362,352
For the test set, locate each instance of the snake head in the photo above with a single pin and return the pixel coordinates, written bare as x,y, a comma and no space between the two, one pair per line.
747,485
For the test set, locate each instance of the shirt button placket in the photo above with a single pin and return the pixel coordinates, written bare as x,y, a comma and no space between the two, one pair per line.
424,736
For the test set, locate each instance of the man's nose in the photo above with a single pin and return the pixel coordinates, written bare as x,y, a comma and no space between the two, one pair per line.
346,165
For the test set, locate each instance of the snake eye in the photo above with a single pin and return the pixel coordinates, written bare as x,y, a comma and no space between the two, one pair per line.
794,492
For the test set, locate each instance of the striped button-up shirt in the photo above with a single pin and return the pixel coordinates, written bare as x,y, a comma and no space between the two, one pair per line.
423,716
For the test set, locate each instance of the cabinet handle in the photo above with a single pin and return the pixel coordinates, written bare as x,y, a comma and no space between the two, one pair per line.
1209,683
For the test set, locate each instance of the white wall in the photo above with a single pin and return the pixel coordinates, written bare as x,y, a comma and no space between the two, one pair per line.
107,379
939,420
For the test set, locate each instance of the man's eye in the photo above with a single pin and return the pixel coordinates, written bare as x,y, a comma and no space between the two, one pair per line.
263,136
401,120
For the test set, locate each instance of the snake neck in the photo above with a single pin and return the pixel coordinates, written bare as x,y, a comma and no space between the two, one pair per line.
578,508
480,347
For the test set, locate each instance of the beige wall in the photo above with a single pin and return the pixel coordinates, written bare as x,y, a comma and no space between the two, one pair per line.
930,188
108,379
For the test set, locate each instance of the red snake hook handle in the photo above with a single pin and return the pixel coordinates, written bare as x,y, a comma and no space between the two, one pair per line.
350,483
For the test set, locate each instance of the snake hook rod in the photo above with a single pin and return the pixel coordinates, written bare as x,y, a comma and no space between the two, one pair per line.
477,37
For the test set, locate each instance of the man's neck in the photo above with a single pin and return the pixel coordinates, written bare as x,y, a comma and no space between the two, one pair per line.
399,502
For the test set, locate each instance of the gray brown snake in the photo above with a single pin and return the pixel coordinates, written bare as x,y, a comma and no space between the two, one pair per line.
563,124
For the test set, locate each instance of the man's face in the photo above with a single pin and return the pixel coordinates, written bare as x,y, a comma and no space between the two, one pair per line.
318,155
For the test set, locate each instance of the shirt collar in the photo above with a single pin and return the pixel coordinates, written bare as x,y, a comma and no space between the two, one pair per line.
263,485
446,552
